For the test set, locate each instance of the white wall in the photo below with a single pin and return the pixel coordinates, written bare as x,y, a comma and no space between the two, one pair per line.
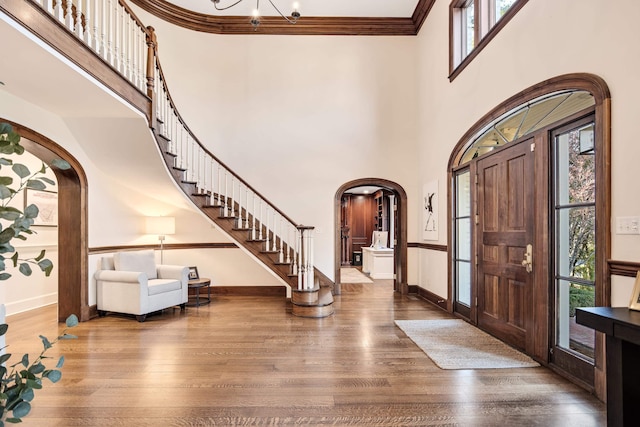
297,117
21,292
546,38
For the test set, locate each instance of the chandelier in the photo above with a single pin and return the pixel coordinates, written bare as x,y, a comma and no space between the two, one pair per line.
255,18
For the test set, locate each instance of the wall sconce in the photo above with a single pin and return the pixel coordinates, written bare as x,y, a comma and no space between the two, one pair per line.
161,225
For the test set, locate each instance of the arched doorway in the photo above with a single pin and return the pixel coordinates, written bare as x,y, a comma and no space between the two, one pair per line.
73,256
400,246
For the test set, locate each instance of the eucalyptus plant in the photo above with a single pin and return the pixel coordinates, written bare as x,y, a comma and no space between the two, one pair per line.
17,223
19,380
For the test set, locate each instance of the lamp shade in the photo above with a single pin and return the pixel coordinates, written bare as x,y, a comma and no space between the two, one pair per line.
160,225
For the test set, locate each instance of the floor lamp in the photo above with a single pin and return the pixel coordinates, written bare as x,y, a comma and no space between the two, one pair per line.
161,225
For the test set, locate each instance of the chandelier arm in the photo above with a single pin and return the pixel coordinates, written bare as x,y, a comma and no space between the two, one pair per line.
215,4
291,21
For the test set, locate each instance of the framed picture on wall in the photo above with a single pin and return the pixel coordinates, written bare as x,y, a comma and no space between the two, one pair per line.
47,203
634,303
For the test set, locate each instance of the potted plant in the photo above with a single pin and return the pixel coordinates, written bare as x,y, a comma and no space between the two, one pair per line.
19,380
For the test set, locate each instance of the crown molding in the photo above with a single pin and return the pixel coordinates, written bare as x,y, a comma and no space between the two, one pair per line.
344,26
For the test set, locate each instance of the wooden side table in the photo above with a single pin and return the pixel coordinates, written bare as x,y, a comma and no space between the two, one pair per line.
197,284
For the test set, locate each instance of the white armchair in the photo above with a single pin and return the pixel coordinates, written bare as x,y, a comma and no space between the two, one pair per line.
132,283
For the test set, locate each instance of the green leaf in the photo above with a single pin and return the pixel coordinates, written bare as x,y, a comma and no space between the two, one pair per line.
37,368
5,162
4,327
60,362
72,321
21,170
14,258
25,269
4,276
5,192
45,342
22,409
60,164
25,360
5,128
46,266
6,180
68,337
6,235
10,213
28,395
39,257
4,358
47,180
53,375
31,211
35,184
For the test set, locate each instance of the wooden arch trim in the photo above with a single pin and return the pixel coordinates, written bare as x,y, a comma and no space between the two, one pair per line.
345,26
400,260
73,255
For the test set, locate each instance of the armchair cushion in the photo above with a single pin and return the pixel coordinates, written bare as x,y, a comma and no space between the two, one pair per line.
143,261
160,286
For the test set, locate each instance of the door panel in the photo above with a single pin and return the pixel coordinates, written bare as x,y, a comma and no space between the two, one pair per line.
505,228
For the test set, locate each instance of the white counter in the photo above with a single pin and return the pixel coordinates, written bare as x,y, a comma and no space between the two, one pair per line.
378,262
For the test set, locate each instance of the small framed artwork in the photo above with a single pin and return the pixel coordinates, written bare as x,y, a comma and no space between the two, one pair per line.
193,273
47,203
634,304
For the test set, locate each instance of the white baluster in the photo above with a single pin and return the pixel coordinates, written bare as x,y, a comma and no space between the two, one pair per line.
253,228
273,243
58,11
48,6
88,22
79,14
246,209
261,216
280,252
297,265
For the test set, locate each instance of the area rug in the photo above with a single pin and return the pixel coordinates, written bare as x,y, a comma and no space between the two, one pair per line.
353,275
455,344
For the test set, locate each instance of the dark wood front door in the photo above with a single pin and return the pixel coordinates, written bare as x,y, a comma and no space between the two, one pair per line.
505,229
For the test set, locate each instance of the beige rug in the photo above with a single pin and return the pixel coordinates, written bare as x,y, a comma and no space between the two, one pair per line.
455,344
353,275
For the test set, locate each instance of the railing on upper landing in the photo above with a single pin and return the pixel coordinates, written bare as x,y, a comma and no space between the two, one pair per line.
112,31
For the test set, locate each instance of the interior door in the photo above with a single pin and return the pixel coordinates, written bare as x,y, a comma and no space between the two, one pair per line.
505,223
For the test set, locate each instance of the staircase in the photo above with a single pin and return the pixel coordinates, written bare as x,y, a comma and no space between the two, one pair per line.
110,30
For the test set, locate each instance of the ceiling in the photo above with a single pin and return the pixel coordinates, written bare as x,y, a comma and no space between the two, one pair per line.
333,8
318,17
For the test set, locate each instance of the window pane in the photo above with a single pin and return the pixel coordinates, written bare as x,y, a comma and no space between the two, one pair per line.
463,282
501,7
570,335
463,239
468,25
463,194
576,177
576,234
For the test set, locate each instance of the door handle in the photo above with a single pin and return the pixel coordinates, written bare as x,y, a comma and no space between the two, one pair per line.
527,262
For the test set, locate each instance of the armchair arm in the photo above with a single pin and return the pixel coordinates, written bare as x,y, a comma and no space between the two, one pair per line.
121,276
177,272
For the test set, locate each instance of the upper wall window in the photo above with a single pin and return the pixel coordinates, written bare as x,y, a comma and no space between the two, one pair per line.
473,23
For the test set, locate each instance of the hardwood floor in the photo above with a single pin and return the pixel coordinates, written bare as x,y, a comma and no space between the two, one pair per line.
246,361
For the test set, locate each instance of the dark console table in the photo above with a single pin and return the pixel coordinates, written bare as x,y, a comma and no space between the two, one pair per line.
622,327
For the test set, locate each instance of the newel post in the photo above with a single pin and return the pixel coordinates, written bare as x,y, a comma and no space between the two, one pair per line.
305,258
152,44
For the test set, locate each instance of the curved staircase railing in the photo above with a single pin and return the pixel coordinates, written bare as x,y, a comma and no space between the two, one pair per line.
112,31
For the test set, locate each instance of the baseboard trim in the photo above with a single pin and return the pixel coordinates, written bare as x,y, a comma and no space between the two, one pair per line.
253,291
429,296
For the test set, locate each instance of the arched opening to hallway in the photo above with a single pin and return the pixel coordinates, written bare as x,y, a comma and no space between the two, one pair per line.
72,224
397,229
